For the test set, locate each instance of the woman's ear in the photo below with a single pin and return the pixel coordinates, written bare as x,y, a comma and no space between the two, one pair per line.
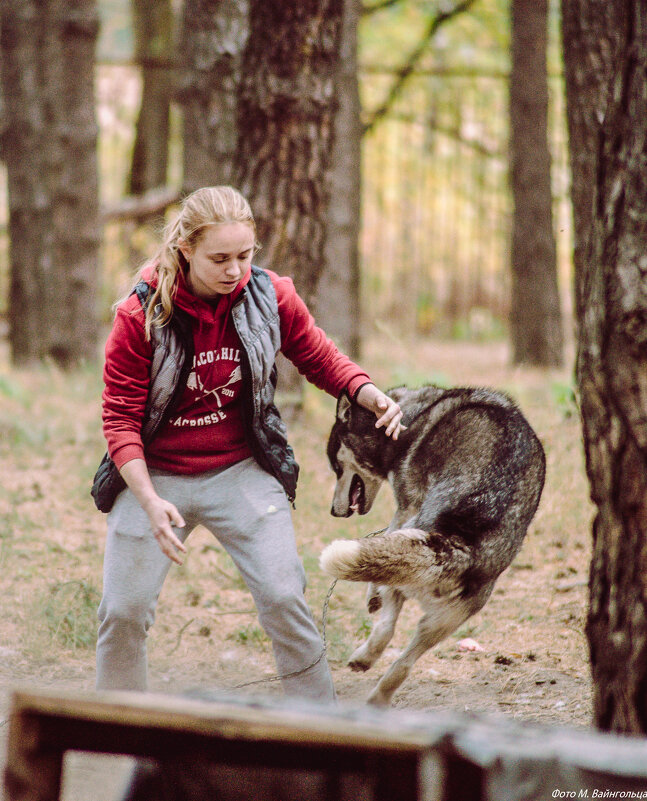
184,249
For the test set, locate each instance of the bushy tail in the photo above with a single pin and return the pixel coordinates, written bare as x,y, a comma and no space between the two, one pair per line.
397,558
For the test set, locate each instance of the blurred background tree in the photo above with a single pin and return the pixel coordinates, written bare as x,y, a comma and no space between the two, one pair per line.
50,153
535,310
416,234
153,32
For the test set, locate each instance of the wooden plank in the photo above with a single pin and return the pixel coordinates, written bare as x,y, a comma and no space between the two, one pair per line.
377,751
302,724
32,773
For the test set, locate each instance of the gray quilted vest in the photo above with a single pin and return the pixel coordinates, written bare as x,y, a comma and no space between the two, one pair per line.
256,319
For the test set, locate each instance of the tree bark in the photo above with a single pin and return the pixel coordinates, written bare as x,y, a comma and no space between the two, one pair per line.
153,29
214,35
338,306
590,42
50,142
535,318
286,122
286,125
607,112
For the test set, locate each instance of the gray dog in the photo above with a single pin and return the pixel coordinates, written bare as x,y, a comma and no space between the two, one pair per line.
467,475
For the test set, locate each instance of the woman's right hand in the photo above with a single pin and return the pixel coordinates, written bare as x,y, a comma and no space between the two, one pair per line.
163,515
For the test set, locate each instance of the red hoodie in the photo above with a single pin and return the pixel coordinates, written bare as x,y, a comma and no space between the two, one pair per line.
206,429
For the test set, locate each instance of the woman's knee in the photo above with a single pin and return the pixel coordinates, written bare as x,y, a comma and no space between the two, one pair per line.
126,613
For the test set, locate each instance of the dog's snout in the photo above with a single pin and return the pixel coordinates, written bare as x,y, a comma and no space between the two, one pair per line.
340,513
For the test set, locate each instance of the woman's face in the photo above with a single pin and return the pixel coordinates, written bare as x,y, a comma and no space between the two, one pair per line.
220,259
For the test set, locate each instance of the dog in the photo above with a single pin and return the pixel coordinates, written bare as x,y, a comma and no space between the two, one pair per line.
467,474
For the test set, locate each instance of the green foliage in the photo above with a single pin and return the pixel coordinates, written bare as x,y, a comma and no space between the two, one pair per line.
71,614
250,635
564,398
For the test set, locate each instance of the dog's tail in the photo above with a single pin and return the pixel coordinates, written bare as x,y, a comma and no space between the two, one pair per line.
402,557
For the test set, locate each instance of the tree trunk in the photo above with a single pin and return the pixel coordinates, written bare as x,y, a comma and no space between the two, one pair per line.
153,30
590,41
536,323
612,355
338,292
214,35
50,143
286,123
286,116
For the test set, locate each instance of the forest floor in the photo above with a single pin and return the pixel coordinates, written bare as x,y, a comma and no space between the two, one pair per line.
533,665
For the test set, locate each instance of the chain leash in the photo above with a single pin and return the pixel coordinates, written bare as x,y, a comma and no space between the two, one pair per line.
324,616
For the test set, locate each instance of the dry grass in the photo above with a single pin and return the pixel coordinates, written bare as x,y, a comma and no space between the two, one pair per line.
534,664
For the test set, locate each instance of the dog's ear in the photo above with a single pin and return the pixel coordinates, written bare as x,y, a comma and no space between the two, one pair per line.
344,406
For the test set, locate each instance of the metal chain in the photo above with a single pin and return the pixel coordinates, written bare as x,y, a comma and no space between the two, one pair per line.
324,616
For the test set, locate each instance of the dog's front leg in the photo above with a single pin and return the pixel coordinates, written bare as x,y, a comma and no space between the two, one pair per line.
382,632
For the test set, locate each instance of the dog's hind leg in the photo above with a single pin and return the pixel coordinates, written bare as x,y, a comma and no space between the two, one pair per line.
433,626
373,594
369,652
373,598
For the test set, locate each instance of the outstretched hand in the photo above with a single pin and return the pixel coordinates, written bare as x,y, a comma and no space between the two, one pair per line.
387,411
163,517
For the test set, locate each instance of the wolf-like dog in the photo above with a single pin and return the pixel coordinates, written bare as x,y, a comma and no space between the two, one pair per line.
467,475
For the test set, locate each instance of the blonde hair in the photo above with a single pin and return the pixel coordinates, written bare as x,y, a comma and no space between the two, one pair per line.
211,205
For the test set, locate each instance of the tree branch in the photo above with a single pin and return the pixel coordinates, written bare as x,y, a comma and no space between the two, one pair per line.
366,10
405,71
134,207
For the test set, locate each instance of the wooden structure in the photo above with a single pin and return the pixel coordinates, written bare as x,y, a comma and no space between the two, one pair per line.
360,754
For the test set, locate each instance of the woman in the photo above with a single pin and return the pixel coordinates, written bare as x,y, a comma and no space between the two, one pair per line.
191,426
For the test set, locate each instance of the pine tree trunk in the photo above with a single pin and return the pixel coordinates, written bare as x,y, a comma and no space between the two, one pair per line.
286,125
286,122
153,28
50,142
338,290
536,322
214,34
612,356
589,29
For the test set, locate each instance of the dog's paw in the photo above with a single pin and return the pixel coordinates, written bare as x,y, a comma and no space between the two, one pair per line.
377,698
359,665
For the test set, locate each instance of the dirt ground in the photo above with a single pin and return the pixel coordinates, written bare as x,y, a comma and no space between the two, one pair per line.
533,665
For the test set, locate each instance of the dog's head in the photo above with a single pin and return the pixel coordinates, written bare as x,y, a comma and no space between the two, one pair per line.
352,456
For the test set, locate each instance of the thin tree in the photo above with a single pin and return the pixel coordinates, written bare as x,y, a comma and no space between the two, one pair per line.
337,304
49,147
607,112
153,31
535,314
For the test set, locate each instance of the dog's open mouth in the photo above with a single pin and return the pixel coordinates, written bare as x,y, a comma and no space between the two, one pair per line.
356,495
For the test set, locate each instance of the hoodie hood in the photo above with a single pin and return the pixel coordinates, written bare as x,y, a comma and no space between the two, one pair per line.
203,311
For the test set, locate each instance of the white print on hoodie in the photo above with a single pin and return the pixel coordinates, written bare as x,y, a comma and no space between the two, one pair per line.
221,393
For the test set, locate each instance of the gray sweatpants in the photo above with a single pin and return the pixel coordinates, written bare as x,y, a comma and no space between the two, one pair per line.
248,512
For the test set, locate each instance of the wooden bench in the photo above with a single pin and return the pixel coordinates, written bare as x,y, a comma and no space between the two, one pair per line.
364,754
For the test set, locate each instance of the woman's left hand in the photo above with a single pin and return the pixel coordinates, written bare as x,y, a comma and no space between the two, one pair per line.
387,411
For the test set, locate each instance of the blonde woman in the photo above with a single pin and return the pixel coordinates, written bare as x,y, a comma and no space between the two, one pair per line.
193,431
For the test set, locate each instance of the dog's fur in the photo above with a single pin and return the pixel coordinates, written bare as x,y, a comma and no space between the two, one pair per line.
467,475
